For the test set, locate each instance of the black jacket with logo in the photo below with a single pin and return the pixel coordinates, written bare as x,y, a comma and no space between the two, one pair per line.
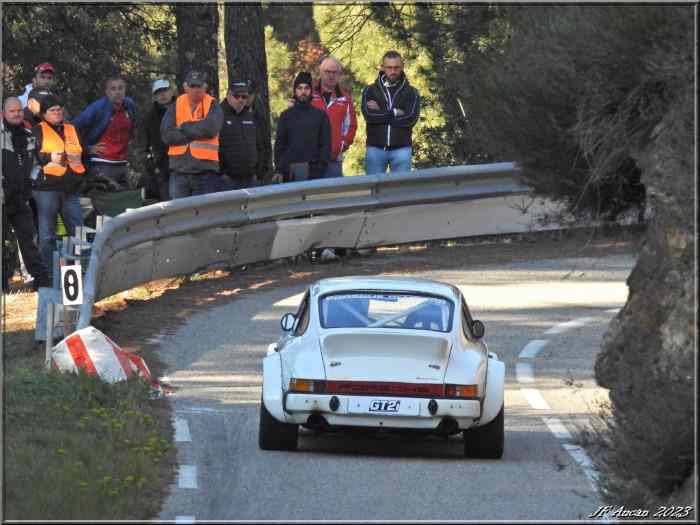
384,128
238,152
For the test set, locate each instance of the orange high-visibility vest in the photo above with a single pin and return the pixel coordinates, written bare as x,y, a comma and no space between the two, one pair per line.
53,143
203,149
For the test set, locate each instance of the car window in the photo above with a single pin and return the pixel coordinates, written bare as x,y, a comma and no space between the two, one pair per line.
386,310
302,316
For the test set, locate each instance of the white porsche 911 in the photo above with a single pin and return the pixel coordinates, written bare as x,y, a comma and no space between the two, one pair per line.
383,352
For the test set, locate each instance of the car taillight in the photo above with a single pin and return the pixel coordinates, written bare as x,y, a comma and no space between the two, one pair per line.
461,391
306,385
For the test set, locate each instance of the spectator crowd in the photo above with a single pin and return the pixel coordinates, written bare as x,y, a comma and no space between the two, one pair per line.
193,145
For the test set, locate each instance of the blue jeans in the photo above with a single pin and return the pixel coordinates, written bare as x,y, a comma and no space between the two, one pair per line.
185,185
333,170
377,160
48,204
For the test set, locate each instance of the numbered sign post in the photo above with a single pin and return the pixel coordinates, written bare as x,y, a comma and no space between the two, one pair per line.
72,285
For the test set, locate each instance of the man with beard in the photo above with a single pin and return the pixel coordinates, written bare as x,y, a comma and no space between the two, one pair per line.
303,140
18,146
156,182
391,107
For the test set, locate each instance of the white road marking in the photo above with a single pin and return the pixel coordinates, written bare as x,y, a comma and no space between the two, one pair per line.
184,519
203,410
525,372
187,477
557,428
584,461
532,349
535,399
569,325
182,430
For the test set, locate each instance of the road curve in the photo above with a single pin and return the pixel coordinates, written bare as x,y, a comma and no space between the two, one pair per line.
214,361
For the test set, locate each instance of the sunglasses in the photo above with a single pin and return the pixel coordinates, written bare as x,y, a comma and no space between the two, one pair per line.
240,96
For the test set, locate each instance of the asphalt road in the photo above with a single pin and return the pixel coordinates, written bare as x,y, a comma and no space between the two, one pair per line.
215,363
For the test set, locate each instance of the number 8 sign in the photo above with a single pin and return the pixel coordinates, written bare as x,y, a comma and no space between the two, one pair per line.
72,284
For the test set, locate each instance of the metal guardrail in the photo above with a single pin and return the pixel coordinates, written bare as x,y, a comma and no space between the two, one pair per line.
240,227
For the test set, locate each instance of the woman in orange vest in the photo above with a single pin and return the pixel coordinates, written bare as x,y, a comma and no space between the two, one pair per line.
58,175
190,128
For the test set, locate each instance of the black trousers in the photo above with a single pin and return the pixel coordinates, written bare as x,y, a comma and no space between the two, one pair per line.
21,219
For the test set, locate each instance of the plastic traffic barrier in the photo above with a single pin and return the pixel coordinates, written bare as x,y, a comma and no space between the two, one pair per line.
91,350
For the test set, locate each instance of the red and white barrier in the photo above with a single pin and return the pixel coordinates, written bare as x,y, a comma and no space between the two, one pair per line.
97,354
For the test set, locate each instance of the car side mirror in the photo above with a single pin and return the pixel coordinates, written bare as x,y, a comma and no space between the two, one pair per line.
478,329
287,322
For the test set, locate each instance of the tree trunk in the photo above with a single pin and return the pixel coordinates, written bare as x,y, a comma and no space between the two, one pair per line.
292,23
246,59
197,42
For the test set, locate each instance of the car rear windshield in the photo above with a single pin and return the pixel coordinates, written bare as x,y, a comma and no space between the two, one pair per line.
386,310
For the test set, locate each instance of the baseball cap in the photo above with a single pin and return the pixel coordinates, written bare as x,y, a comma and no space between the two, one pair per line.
45,66
239,86
195,78
160,84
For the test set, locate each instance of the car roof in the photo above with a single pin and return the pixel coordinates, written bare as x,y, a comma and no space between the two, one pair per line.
404,284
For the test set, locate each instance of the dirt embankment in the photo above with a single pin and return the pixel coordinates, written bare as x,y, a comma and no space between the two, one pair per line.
648,355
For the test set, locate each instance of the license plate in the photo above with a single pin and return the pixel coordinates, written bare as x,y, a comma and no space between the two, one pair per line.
384,406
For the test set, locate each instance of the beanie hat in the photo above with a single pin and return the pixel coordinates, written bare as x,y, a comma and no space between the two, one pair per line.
49,101
304,77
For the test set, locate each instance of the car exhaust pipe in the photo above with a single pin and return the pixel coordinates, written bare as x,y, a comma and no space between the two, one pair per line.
316,422
447,427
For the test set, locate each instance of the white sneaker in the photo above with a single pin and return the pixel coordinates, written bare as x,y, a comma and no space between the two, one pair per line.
328,254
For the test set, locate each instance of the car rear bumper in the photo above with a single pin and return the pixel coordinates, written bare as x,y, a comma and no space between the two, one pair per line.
353,411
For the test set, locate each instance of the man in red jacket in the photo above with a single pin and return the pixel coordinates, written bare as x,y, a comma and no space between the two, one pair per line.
337,103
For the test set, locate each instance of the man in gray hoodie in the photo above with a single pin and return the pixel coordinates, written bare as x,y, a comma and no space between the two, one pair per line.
190,129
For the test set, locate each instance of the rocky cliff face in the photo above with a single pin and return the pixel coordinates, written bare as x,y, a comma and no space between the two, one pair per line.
648,355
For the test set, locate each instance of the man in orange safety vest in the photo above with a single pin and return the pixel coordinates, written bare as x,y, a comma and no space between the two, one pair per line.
190,128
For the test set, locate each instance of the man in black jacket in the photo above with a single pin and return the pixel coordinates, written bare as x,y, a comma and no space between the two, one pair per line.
18,145
391,107
156,181
238,152
303,140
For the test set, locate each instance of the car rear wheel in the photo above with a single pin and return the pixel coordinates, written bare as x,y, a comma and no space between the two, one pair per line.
485,442
273,435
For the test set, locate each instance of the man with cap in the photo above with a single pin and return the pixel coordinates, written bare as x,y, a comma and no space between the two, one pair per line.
238,151
191,128
60,175
303,140
156,151
43,79
18,145
107,126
